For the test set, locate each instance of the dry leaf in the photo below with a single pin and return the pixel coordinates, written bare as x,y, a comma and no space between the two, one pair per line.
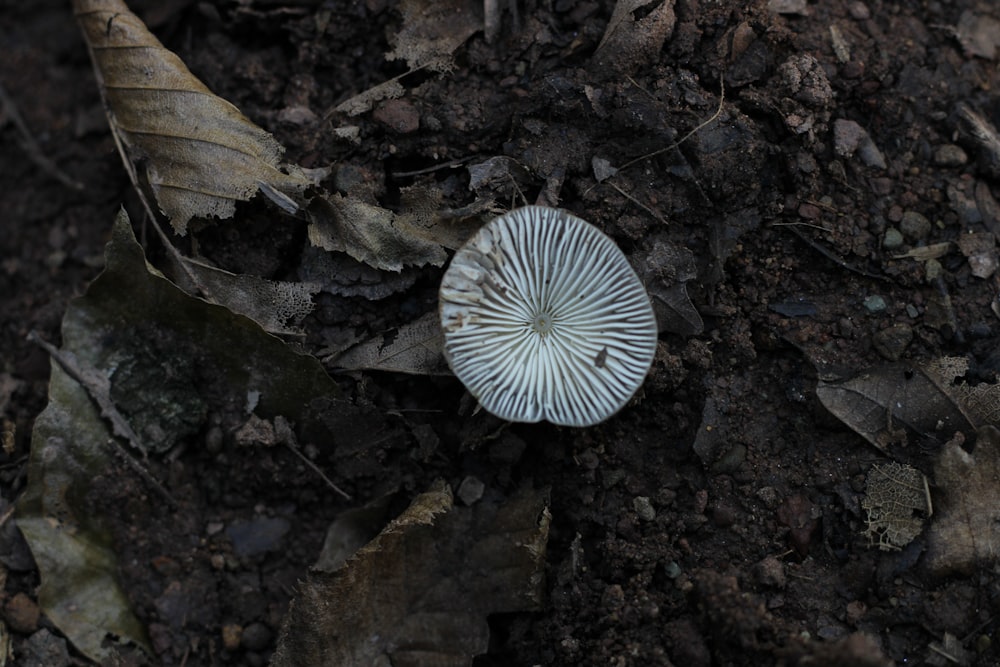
337,273
276,305
415,348
628,43
966,533
665,269
142,342
896,503
384,239
365,101
432,30
420,592
199,153
928,399
924,253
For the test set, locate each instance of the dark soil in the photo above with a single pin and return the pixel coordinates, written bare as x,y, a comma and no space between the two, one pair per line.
715,520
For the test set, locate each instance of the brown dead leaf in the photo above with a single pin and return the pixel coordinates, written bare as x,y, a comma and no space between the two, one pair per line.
896,503
629,43
365,100
929,399
432,30
416,348
420,592
966,534
665,269
384,239
199,154
276,305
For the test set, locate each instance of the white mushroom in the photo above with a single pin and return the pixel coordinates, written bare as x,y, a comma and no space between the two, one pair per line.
543,318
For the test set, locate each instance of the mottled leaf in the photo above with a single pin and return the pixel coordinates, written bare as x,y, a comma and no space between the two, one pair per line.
133,321
932,400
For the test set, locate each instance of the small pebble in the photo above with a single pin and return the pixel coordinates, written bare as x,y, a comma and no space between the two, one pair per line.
893,239
950,155
770,572
859,11
256,637
847,136
470,490
914,226
875,303
933,269
22,614
398,115
644,508
231,636
912,311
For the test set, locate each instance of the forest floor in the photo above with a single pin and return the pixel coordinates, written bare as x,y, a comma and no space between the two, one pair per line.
808,190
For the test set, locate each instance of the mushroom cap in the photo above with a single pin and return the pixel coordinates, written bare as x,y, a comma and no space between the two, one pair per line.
543,318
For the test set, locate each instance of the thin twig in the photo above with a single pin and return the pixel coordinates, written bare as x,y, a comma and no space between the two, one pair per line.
31,146
711,119
829,254
295,450
98,387
638,203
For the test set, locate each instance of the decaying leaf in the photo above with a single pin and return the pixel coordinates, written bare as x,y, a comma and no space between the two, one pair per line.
366,100
629,43
384,239
432,30
79,589
966,533
417,348
929,399
896,503
664,270
199,154
420,592
276,305
136,323
337,273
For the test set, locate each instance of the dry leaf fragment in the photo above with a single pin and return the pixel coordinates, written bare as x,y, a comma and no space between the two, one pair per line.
966,534
276,305
929,399
420,592
432,30
665,270
199,153
629,43
415,348
897,500
384,239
